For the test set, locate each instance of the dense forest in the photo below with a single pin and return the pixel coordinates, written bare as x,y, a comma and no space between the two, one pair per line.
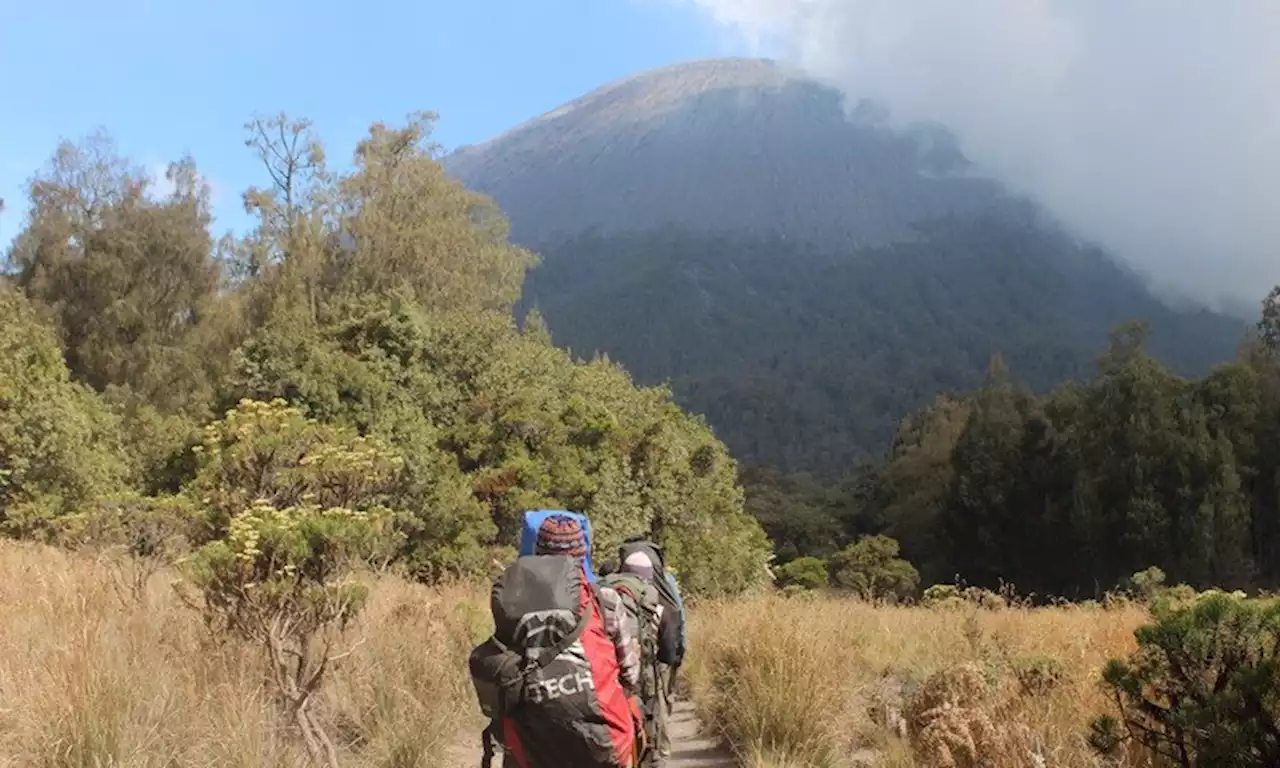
355,356
1070,492
806,359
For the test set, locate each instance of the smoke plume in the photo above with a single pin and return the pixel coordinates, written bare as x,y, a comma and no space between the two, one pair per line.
1150,126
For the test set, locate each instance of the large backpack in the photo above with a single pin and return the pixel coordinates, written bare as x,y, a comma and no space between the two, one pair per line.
641,600
665,583
548,676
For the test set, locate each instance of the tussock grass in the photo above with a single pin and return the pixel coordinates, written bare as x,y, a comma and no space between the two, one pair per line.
833,683
92,676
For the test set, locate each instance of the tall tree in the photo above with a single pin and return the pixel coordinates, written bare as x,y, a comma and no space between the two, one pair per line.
125,269
985,526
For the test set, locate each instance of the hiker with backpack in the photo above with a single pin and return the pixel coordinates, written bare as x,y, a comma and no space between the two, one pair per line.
559,675
641,559
640,599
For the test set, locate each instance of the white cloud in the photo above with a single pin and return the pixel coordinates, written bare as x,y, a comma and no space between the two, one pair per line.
1152,126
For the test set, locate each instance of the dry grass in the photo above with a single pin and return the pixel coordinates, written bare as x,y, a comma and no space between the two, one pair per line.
834,683
91,677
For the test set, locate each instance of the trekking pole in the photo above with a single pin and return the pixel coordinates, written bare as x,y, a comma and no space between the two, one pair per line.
486,738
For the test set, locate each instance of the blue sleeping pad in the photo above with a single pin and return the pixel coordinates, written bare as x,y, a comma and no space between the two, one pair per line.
529,534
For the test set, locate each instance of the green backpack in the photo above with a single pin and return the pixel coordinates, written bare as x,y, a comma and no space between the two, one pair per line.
641,599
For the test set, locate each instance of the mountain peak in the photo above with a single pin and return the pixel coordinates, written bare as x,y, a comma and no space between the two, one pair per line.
726,145
648,95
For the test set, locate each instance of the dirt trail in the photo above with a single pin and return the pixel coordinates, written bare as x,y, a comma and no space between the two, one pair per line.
689,748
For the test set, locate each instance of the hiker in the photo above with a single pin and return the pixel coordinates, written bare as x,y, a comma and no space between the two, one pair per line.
558,677
641,601
564,535
644,559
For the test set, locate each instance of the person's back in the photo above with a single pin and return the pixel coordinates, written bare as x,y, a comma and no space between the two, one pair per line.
555,676
644,559
641,601
638,555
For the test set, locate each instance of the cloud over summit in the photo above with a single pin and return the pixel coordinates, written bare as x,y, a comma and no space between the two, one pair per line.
1152,126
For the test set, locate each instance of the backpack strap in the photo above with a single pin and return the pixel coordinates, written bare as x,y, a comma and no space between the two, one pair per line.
568,640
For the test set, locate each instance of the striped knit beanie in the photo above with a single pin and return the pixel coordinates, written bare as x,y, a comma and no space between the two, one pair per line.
561,535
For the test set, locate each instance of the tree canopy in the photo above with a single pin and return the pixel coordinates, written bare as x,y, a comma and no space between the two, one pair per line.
375,302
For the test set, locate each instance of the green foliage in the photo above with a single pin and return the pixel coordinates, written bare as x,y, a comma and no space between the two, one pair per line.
156,528
265,456
160,455
292,509
493,422
940,594
59,446
1269,323
128,276
1147,582
957,596
360,344
807,360
1070,492
871,567
803,516
1202,689
803,572
140,535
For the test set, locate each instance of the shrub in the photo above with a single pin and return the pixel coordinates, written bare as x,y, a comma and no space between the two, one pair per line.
957,596
1146,584
871,567
293,508
144,533
59,445
804,573
1203,686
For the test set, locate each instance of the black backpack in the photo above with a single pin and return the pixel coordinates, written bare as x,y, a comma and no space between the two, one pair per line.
530,676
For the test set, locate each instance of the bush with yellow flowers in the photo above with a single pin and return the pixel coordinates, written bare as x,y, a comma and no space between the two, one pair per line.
293,509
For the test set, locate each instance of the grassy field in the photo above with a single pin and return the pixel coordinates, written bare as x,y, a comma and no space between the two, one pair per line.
93,675
833,683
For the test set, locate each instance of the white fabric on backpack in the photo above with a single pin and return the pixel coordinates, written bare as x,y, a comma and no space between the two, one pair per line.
639,564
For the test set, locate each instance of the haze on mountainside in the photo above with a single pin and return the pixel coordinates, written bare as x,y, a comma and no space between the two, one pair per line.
1149,126
803,278
744,146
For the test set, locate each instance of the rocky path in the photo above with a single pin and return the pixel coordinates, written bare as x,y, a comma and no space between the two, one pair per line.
689,748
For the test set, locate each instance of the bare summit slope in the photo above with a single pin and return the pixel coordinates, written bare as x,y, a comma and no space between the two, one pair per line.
727,145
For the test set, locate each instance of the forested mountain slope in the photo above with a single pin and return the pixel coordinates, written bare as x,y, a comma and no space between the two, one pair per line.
806,360
801,275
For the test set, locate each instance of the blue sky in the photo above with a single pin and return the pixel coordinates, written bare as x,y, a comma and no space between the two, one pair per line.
169,77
